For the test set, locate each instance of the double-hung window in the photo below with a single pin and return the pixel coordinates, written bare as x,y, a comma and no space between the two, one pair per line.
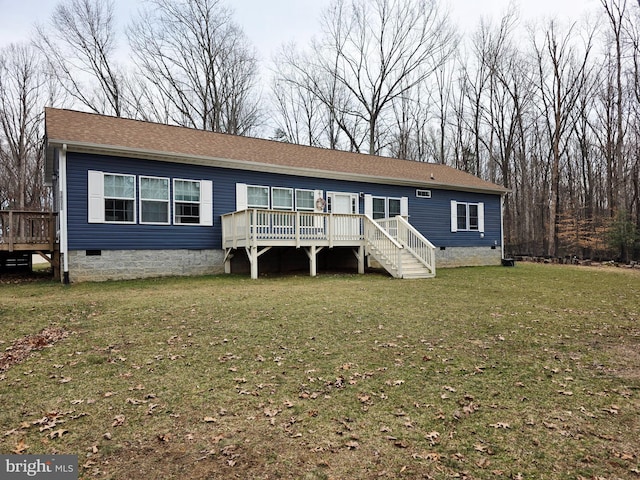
111,197
467,217
385,207
305,200
282,198
257,196
186,201
154,200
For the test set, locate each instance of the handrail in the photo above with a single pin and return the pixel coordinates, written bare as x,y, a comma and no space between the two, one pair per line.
255,226
27,227
383,246
421,248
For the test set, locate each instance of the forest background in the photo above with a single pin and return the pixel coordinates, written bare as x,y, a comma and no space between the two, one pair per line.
550,110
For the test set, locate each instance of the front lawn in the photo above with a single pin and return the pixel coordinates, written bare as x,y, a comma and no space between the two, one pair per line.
525,372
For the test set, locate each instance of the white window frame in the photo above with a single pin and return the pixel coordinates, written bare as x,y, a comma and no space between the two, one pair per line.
266,206
388,205
155,200
205,202
368,205
467,219
289,208
420,193
96,198
313,207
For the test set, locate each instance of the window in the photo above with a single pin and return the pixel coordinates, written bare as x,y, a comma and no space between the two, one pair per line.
119,198
188,202
154,200
379,207
257,197
282,198
467,216
394,207
305,200
385,207
423,193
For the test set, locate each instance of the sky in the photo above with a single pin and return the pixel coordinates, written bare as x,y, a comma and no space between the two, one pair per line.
271,23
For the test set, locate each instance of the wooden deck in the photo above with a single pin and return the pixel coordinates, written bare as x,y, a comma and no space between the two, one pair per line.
394,243
29,231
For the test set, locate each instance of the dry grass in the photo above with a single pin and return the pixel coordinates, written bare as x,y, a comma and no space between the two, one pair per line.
526,372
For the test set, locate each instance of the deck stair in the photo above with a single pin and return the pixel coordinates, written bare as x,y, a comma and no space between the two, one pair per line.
399,248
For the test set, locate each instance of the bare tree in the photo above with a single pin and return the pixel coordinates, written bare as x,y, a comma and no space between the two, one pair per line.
196,63
22,94
79,46
370,54
562,76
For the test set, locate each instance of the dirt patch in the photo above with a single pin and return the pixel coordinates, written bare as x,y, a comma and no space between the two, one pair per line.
21,348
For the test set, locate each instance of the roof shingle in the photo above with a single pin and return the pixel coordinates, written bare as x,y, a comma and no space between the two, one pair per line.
118,136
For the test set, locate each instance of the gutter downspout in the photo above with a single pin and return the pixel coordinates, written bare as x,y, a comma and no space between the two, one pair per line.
64,244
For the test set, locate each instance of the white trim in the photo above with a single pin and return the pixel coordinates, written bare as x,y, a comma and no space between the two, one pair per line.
481,217
62,212
423,193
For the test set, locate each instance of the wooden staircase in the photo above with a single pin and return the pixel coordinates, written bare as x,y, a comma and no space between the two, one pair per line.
399,248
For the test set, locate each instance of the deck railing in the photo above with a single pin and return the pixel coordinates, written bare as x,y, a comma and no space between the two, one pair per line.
27,230
411,239
258,227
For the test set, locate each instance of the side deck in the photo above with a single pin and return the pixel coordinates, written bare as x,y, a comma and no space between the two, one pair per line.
28,231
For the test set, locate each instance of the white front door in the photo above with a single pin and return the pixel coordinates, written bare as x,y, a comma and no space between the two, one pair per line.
344,227
343,202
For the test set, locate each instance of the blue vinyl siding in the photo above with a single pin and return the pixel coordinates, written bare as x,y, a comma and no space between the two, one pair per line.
431,216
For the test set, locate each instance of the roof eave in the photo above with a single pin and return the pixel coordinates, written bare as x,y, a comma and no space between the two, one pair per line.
208,161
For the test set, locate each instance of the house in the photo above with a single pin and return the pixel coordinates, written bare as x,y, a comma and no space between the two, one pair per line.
138,199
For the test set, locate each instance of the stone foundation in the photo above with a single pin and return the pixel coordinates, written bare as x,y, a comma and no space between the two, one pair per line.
467,257
104,265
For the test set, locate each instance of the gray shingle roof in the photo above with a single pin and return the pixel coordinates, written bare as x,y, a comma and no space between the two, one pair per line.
134,138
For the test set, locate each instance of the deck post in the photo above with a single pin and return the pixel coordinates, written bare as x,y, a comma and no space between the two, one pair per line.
253,260
359,253
312,253
227,260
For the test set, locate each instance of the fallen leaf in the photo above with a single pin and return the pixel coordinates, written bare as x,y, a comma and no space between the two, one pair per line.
210,419
500,425
20,447
118,421
271,412
58,433
352,445
433,437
